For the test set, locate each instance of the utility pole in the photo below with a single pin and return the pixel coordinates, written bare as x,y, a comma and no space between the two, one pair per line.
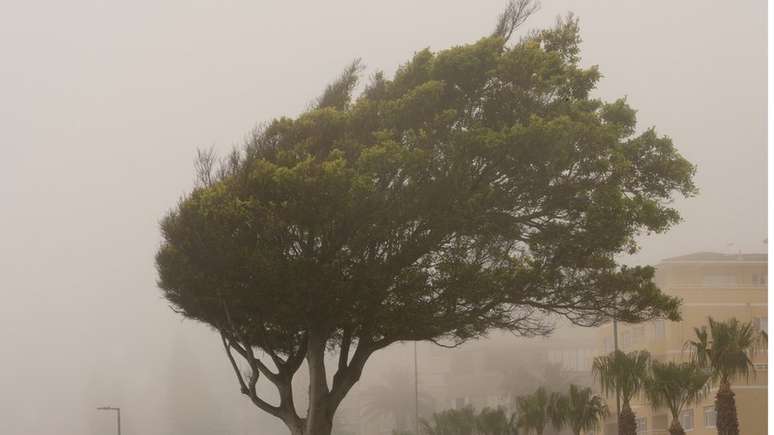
416,392
118,415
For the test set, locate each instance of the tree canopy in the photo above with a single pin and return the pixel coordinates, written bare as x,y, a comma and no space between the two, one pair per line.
480,187
581,410
674,385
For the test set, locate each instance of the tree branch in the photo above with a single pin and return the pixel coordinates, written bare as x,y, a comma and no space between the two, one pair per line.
245,389
346,341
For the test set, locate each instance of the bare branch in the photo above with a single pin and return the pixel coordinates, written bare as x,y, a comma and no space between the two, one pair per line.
204,166
346,341
248,390
514,15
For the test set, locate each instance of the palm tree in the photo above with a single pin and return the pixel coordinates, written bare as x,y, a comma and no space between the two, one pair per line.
725,350
581,410
494,422
537,410
451,422
673,386
624,374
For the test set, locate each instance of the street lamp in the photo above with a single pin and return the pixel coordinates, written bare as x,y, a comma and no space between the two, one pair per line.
118,415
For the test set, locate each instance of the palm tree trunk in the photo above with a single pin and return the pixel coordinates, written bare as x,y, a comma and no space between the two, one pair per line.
627,425
675,428
725,407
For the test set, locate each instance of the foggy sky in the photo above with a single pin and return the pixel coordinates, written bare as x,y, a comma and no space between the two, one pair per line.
103,104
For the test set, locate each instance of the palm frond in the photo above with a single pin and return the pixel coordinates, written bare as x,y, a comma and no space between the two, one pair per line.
621,372
726,348
675,385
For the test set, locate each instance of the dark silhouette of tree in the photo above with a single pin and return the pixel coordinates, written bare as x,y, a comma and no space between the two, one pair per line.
480,188
495,422
539,409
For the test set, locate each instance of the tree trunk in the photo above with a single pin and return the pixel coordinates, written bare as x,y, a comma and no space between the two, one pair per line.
725,406
627,425
675,428
319,416
319,427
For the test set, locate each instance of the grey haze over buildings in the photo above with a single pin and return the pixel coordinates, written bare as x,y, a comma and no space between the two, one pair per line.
103,105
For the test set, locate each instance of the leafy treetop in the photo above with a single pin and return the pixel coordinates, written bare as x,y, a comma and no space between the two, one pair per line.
481,187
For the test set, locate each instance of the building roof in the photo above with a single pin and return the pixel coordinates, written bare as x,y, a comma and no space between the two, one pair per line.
715,257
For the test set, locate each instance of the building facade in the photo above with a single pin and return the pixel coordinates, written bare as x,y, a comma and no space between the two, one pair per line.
713,285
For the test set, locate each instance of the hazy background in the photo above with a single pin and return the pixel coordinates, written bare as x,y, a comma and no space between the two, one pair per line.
103,104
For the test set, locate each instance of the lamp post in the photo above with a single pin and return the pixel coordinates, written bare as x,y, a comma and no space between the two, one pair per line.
118,415
416,391
617,390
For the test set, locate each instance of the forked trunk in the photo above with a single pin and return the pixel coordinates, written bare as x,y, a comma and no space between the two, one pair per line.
310,428
675,428
627,425
725,406
320,427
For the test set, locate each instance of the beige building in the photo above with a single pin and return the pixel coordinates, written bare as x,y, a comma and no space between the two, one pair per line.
717,285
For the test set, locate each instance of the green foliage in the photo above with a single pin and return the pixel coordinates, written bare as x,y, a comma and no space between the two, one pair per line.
466,422
535,411
674,385
580,410
481,187
451,422
495,422
622,372
726,348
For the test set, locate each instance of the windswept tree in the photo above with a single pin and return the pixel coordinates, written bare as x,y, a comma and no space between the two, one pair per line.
481,187
673,386
623,374
726,349
539,409
580,410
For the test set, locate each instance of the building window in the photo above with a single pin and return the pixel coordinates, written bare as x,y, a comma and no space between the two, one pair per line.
719,280
659,328
660,423
686,419
642,425
709,416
